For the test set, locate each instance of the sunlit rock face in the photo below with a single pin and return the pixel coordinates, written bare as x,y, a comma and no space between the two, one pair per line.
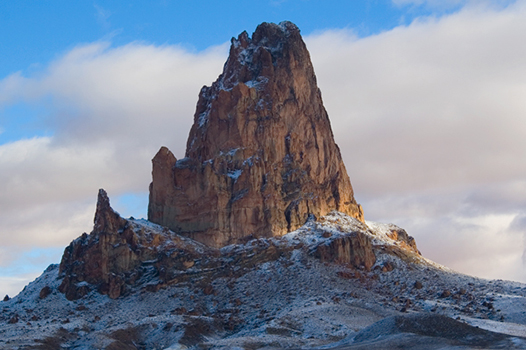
261,155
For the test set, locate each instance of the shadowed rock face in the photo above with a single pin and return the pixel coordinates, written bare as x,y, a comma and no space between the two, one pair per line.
117,253
261,155
96,258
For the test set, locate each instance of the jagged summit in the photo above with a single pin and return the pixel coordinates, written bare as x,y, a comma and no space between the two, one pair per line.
244,64
273,68
106,219
119,253
260,155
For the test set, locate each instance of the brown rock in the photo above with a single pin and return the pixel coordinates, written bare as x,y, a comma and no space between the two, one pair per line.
400,235
387,267
44,292
13,319
418,285
6,298
188,264
446,293
326,234
95,258
108,258
354,249
260,156
345,274
208,290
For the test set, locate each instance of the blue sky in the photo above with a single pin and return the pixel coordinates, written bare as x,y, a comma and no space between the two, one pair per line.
40,32
426,99
35,33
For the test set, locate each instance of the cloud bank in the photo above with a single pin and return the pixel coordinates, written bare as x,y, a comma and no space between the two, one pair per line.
429,118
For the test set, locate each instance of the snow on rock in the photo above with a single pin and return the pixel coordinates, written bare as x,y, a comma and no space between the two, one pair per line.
272,292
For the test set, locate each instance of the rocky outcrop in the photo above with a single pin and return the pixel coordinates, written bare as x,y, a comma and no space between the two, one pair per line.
354,249
261,155
92,259
261,161
119,252
400,235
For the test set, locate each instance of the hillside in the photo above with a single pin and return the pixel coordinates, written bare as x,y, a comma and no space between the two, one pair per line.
276,293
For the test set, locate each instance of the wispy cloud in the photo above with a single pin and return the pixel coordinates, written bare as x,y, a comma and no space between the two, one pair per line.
102,15
449,4
431,3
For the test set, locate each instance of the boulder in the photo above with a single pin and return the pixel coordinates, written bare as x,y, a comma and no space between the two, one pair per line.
354,248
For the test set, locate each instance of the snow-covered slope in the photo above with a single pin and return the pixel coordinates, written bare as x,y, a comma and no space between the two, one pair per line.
276,293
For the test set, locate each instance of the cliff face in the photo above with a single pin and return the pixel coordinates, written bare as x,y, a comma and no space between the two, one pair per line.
261,155
119,252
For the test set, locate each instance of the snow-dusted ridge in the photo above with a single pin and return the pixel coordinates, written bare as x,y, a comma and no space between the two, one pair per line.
284,297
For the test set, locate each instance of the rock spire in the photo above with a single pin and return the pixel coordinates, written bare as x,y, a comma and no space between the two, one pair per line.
261,156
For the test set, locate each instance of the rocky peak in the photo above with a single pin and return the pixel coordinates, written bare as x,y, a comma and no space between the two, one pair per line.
260,155
252,60
119,252
262,76
106,219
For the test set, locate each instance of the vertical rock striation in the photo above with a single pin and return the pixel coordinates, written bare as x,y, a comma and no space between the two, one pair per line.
100,257
261,155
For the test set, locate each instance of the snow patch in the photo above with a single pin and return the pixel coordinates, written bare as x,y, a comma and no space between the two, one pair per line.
182,163
203,119
235,174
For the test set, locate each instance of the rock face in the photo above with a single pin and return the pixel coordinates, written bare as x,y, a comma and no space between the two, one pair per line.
261,155
355,249
92,259
117,253
400,235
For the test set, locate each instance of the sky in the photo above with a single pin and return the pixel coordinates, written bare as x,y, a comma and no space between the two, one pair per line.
427,99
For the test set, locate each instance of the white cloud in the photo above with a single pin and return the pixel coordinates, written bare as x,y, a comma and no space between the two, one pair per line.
102,15
429,118
111,109
444,95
